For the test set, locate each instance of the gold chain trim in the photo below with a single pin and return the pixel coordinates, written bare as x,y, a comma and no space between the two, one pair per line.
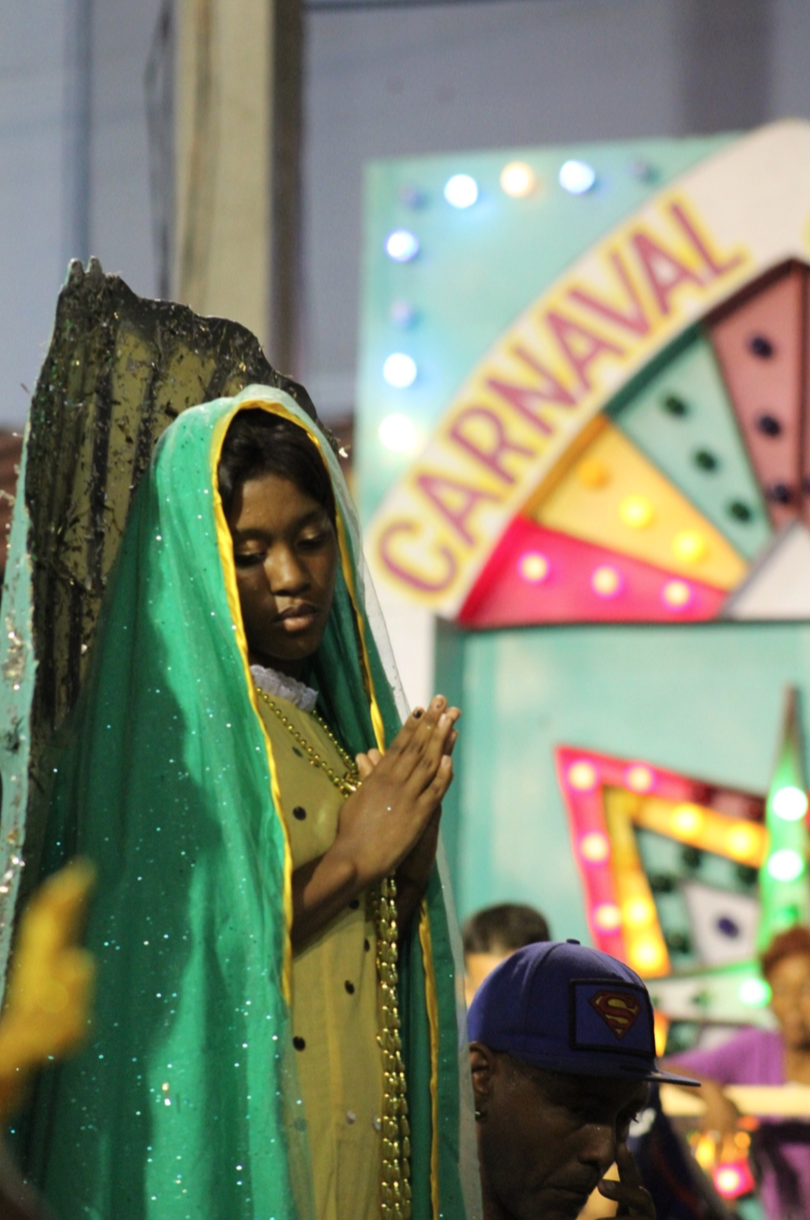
396,1143
395,1187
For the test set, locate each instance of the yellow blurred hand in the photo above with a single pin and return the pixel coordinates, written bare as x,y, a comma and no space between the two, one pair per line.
47,1007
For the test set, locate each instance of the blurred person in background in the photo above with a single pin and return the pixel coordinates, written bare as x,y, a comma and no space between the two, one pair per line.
491,934
780,1147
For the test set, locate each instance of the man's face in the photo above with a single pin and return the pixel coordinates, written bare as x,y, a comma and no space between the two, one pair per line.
545,1139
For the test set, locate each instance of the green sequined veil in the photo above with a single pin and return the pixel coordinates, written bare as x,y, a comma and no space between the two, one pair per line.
183,1106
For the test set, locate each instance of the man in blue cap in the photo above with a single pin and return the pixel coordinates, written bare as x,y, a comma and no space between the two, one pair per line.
562,1048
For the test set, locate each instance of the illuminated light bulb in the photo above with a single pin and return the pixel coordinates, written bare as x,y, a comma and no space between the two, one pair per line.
593,473
647,954
582,776
704,1152
789,803
676,594
785,865
638,911
687,820
517,179
607,917
399,370
636,512
743,842
690,546
594,847
660,1031
401,245
639,777
577,177
606,581
753,992
728,1179
398,433
534,567
461,191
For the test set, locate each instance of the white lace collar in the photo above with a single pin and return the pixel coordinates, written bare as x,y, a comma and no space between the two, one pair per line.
274,683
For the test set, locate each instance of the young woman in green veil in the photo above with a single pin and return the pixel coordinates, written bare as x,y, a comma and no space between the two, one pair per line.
275,1033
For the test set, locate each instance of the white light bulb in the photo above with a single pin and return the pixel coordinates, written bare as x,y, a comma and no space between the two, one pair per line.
577,177
401,245
399,370
461,191
754,992
785,865
789,803
398,432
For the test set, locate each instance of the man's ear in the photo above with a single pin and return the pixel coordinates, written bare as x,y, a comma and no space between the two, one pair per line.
482,1062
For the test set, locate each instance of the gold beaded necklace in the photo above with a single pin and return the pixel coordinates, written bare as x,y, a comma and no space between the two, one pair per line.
395,1187
345,784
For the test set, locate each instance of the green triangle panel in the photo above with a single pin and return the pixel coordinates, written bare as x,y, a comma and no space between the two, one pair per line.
681,417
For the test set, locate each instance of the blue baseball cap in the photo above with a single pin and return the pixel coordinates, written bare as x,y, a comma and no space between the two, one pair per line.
567,1008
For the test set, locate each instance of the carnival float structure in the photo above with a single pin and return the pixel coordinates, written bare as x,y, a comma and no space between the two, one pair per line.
584,447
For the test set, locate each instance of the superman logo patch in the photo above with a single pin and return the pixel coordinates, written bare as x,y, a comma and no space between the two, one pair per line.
618,1009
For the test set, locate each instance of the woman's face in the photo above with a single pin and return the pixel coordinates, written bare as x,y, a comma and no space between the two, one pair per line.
286,553
790,999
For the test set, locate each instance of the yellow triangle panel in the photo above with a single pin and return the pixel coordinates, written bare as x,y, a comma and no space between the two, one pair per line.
612,495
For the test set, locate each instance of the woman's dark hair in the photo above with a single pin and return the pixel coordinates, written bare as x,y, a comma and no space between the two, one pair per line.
259,443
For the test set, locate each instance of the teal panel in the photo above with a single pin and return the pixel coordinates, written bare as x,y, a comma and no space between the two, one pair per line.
18,667
477,268
666,858
682,418
704,699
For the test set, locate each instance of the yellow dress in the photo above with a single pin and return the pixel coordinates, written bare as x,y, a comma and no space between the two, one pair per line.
334,1003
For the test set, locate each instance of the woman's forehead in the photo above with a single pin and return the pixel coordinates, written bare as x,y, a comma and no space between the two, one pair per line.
270,502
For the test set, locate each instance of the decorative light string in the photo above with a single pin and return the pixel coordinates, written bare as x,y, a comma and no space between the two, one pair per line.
395,1186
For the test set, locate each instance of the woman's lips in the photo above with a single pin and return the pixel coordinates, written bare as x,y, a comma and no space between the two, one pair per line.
297,619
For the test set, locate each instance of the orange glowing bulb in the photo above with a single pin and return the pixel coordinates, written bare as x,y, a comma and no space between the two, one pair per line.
660,1032
593,474
638,911
745,843
687,820
647,955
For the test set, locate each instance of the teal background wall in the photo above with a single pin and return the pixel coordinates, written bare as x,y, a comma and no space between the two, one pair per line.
705,699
